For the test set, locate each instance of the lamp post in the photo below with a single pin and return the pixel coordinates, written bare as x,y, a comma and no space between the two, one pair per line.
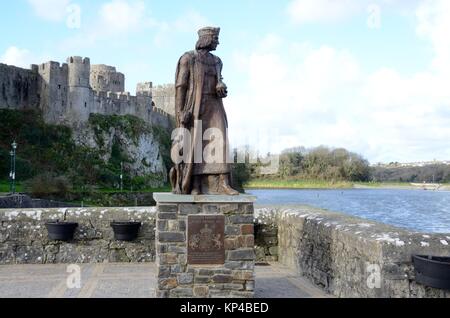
13,171
11,153
121,176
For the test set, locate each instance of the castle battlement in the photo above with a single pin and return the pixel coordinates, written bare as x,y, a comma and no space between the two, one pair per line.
54,66
71,91
78,60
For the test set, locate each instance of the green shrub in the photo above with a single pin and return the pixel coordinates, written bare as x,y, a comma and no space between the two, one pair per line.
48,186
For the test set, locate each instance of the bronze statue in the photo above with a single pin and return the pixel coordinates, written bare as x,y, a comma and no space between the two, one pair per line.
200,112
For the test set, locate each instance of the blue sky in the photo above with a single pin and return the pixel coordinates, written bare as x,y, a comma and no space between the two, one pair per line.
370,76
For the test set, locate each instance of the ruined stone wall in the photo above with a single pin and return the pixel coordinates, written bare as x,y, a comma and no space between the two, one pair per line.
341,254
19,88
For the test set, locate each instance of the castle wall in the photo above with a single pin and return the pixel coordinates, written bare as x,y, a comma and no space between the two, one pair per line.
164,98
69,93
104,78
160,118
110,103
18,88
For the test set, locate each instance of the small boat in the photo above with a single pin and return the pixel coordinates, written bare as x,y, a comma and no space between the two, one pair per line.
432,271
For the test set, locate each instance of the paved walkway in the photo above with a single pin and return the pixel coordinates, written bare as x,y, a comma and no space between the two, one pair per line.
130,281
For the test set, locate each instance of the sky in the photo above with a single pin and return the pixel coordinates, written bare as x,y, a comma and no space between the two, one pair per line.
370,76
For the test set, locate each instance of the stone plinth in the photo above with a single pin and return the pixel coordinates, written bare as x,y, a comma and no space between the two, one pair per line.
205,246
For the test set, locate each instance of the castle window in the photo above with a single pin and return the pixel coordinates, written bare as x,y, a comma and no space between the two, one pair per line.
59,86
85,105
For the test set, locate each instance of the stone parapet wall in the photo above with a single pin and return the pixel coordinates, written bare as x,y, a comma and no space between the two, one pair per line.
338,253
24,238
349,256
266,236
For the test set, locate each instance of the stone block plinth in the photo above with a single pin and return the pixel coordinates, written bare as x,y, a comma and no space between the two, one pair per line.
205,246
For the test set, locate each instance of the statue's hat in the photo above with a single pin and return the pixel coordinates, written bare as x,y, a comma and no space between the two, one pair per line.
208,31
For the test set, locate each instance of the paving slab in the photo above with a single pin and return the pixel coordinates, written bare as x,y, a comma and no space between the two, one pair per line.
108,280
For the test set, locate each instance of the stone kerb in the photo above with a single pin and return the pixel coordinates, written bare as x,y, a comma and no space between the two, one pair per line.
182,270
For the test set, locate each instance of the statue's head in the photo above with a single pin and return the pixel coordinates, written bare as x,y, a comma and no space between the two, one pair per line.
208,39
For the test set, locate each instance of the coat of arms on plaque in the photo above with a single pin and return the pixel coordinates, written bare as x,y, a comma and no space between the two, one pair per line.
206,240
206,235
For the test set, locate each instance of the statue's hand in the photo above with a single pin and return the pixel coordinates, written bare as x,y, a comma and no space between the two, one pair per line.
186,118
222,90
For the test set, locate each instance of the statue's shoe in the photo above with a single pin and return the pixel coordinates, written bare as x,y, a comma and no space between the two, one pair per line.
229,191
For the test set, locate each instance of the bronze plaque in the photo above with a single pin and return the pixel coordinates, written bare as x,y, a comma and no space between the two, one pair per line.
206,239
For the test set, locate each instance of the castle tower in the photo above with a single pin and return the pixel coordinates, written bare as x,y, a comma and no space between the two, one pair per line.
80,97
53,91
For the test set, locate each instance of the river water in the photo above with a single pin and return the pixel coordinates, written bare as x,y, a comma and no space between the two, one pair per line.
417,210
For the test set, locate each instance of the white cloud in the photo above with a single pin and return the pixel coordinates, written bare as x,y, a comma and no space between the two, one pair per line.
320,95
329,11
434,24
123,16
52,10
307,11
18,57
294,91
115,19
191,21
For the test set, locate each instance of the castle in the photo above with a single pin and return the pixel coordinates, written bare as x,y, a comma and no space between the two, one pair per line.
69,93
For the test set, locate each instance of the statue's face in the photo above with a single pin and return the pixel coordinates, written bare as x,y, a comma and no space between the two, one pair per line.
214,42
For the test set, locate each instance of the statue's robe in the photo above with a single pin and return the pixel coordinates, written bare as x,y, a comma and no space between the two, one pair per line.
198,75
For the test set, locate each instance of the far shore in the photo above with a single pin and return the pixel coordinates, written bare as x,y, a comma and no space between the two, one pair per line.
319,185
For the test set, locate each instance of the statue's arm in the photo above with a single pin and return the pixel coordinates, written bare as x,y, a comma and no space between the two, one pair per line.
222,90
182,86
